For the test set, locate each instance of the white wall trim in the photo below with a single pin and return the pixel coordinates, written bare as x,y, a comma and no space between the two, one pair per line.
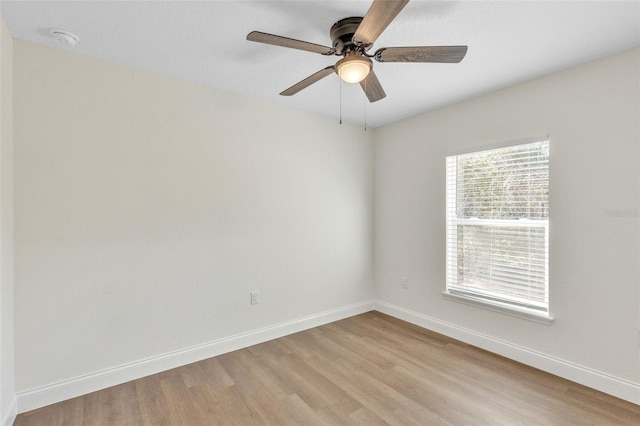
11,413
60,391
603,382
500,307
70,388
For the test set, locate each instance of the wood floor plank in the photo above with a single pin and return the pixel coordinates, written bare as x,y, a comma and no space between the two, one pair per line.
301,412
122,408
250,374
235,408
272,411
150,398
93,406
365,417
208,407
335,416
303,389
370,369
207,371
365,387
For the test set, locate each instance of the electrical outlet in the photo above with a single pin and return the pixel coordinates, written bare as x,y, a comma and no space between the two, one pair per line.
255,297
404,283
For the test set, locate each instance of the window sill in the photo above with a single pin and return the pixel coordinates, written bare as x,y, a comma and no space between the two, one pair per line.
502,308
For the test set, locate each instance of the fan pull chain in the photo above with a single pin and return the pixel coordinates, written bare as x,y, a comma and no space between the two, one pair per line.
340,100
365,105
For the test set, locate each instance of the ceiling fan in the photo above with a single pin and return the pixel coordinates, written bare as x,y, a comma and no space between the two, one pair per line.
352,38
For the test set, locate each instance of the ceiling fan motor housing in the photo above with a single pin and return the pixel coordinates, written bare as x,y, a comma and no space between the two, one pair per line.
342,35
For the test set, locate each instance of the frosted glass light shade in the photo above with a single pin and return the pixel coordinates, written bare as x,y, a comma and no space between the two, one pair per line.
353,69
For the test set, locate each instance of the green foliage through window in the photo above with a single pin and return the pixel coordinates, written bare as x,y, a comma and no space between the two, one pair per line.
497,224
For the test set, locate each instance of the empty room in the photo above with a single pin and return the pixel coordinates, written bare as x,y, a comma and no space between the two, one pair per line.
319,212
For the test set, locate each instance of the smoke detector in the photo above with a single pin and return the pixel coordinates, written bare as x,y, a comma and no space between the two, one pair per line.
64,36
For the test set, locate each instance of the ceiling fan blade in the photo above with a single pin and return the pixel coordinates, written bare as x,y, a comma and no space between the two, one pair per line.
260,37
439,54
308,81
372,87
378,17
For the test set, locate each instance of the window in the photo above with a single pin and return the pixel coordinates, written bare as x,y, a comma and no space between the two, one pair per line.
498,229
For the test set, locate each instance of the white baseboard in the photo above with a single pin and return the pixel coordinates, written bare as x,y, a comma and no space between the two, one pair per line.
11,414
63,390
611,385
60,391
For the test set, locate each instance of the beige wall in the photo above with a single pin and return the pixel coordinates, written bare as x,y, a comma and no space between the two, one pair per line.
147,209
591,114
7,391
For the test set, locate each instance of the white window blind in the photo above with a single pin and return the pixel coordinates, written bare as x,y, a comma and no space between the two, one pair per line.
498,225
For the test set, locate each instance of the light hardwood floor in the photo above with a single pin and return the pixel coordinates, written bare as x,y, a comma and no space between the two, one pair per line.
369,369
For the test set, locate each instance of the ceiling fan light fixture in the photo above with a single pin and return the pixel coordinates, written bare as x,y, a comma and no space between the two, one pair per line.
353,68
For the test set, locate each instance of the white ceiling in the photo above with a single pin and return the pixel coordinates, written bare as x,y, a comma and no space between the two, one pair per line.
204,42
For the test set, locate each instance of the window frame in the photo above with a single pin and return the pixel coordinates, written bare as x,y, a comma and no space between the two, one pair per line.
521,308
